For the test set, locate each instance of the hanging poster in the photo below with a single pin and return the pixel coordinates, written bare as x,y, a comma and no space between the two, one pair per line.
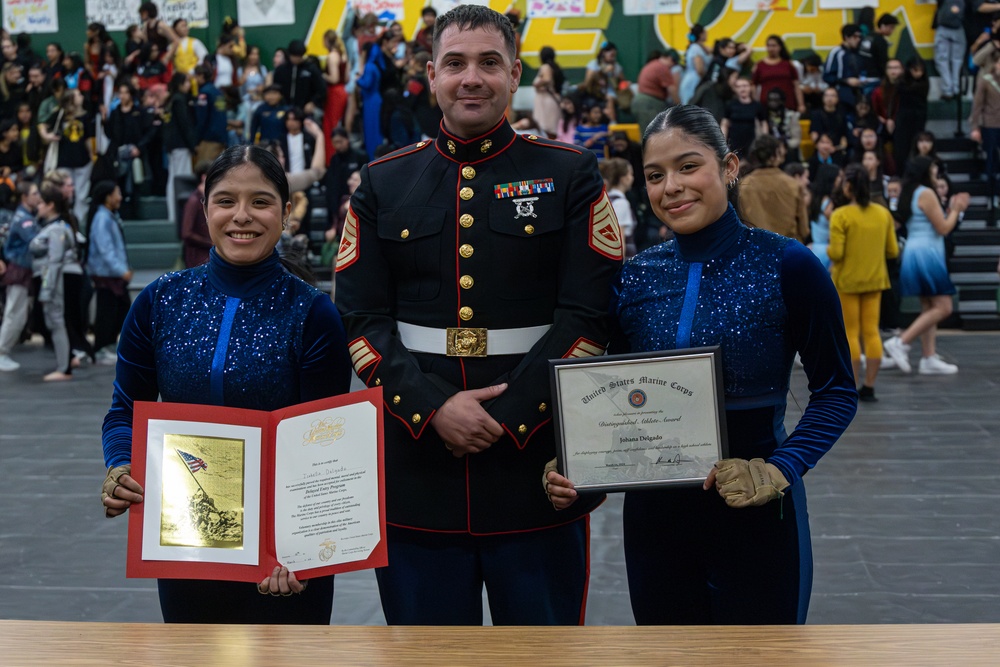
652,7
544,9
765,5
265,12
845,4
30,16
385,10
120,14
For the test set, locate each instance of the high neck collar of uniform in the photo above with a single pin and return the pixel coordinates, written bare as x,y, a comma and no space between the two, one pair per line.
476,149
712,241
246,281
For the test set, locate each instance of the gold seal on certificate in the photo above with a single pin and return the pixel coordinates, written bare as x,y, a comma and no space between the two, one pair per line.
639,420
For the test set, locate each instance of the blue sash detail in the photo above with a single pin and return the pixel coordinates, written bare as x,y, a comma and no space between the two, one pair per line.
690,303
219,360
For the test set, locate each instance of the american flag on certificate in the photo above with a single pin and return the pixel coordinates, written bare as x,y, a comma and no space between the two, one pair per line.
194,464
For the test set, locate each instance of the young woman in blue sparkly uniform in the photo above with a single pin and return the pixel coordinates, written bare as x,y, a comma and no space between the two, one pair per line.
737,549
239,331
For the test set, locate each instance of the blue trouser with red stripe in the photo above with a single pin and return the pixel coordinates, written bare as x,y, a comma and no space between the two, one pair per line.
532,578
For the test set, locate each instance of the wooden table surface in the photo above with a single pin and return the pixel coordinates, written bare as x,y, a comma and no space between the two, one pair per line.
107,644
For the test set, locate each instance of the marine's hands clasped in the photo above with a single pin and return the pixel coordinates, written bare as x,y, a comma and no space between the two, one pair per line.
119,491
464,425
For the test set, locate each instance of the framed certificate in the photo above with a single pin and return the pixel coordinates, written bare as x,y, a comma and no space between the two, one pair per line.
634,421
231,493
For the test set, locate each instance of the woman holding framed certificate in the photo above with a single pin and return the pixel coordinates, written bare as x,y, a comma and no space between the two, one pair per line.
735,550
240,332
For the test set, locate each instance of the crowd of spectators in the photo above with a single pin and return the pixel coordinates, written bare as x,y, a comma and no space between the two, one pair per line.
158,111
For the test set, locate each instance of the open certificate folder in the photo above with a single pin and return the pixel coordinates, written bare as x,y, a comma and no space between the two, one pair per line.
231,493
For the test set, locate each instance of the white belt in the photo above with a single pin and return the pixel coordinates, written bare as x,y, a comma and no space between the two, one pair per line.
469,341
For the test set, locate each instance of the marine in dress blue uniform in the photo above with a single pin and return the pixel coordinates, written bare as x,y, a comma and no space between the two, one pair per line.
466,262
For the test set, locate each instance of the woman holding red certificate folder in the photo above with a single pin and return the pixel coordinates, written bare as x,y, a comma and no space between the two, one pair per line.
239,332
736,550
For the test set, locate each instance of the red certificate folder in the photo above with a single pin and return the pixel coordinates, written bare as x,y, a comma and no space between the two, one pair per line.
216,478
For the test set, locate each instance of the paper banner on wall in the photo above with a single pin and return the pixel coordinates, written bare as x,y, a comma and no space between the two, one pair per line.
120,14
30,16
265,12
845,4
385,10
652,7
546,9
765,5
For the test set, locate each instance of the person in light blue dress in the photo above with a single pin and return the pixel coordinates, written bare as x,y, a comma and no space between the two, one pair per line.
923,272
696,61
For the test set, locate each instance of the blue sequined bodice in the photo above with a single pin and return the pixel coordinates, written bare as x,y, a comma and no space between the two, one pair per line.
226,335
737,304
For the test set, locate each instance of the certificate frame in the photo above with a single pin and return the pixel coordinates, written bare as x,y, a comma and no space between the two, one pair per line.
612,412
276,477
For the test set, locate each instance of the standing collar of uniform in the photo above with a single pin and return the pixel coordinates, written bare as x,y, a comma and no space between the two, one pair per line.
478,148
712,241
243,281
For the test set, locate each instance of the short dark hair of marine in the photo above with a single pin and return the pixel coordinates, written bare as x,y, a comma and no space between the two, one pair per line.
473,17
511,237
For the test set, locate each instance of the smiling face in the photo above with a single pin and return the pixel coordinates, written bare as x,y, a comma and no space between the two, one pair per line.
244,214
686,183
473,77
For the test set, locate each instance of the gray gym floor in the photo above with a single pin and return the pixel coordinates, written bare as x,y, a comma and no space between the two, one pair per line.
904,509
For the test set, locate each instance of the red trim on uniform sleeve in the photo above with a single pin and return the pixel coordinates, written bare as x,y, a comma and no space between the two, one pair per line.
409,423
349,251
605,234
363,355
513,436
584,348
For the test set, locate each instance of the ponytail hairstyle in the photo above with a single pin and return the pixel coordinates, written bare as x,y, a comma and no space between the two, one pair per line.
699,125
856,177
918,172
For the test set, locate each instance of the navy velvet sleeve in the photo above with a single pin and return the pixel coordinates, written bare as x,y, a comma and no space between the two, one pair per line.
135,378
816,329
325,366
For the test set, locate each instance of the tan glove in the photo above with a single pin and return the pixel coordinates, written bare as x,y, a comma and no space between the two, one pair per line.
743,483
111,482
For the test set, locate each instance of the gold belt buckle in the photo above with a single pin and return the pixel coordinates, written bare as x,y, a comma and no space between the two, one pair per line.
466,342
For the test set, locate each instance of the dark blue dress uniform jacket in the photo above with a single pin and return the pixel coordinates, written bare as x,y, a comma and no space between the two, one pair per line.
435,238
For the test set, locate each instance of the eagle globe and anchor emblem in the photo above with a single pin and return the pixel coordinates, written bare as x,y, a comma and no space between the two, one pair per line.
324,432
329,548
